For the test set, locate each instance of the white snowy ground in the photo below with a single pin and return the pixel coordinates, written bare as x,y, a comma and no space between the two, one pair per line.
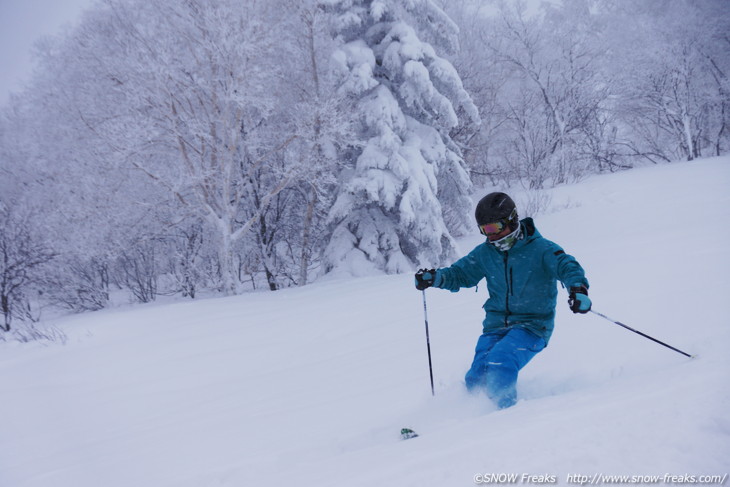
311,386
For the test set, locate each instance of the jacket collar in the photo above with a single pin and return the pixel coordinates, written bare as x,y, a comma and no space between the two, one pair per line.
529,233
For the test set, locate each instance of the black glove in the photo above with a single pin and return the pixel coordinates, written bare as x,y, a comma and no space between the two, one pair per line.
425,278
578,300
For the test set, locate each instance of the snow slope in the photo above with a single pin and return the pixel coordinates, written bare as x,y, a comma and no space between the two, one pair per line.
311,386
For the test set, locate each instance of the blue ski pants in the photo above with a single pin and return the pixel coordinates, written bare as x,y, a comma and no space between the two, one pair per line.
499,356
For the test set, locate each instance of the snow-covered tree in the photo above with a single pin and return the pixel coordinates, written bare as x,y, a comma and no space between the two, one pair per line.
404,191
182,92
291,234
676,89
22,251
555,99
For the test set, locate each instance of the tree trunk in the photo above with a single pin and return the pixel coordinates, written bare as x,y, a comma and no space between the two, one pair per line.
5,307
225,257
687,126
306,235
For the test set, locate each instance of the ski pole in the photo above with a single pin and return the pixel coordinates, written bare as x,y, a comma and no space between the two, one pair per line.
642,334
428,342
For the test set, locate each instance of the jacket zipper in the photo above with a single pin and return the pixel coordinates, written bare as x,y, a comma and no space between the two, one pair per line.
508,283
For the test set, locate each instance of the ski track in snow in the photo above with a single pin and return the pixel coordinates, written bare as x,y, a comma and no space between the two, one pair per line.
311,386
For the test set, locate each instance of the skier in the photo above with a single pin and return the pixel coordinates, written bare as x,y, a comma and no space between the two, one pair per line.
522,269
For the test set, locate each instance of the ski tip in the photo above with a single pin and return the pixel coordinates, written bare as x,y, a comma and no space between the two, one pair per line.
407,433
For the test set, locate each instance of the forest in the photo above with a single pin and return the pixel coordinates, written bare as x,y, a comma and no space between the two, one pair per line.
213,147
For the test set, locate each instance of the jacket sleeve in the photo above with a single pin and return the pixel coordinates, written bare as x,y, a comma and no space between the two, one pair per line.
465,272
564,267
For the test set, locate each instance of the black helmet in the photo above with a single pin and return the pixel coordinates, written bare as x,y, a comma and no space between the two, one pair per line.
496,207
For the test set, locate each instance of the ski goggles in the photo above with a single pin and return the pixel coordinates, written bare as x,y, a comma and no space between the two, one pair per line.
493,228
496,227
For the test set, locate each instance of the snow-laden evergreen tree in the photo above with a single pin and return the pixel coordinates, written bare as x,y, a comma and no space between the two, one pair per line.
404,191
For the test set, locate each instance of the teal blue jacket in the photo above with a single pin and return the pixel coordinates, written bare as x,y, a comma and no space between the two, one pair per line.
522,282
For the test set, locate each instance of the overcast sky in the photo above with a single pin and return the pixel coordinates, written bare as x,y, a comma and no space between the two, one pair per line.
22,23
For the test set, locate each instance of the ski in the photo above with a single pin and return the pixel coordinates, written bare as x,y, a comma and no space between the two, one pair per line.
407,434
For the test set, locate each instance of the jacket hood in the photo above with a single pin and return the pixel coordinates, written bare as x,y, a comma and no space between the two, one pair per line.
529,229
